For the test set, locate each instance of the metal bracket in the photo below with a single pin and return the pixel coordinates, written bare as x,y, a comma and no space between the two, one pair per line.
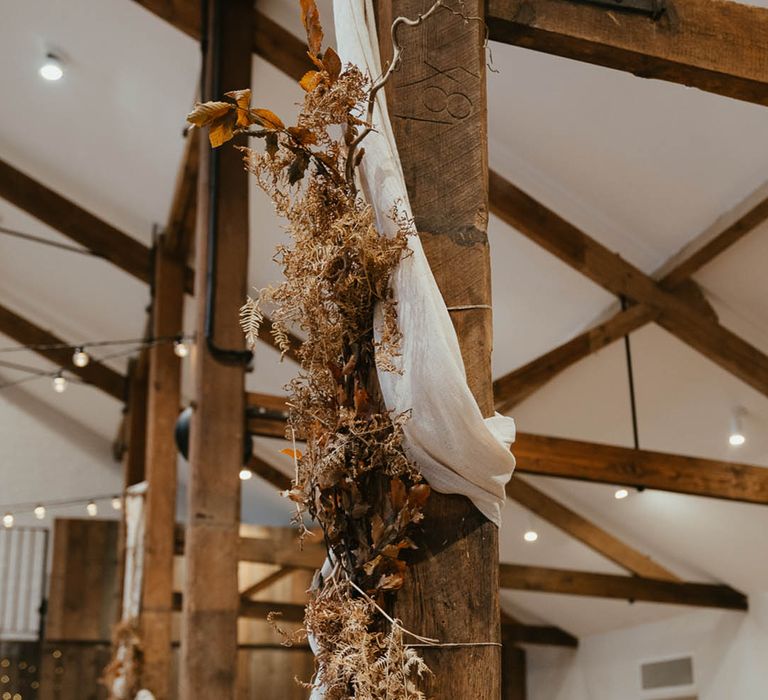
651,8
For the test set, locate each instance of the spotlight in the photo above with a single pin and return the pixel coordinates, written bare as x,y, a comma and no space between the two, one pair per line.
52,69
92,508
245,474
80,358
620,494
180,347
40,512
737,436
531,536
117,503
8,520
59,383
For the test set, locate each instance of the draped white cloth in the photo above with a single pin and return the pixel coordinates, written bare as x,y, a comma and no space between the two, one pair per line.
455,449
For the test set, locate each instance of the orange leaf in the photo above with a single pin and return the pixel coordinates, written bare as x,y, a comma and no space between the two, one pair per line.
397,493
311,79
267,119
222,129
295,454
418,495
243,100
206,112
311,19
332,63
303,137
361,399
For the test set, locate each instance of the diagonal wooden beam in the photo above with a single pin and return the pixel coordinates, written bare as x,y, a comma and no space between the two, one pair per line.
578,527
27,333
267,581
674,311
516,632
74,222
709,44
633,588
512,388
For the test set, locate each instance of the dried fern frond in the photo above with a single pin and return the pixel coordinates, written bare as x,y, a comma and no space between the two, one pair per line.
251,318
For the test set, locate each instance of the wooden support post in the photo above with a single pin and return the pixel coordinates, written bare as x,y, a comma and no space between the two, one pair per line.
513,671
211,597
162,409
437,100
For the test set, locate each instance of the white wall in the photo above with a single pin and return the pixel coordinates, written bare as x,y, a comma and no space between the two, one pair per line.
730,656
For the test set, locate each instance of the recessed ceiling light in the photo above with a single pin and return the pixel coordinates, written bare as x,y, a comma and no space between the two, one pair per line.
52,68
620,493
531,536
245,474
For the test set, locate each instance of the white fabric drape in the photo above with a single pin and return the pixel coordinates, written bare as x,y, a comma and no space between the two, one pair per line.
455,449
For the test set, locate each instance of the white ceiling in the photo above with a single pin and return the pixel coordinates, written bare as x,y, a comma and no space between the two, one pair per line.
642,166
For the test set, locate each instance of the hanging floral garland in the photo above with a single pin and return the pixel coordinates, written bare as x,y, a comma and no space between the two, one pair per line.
354,478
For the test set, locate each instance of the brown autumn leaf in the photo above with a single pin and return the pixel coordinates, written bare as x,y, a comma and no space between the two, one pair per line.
271,143
332,64
206,112
418,495
298,167
361,399
377,529
296,454
311,19
267,119
243,100
391,582
311,79
302,136
397,494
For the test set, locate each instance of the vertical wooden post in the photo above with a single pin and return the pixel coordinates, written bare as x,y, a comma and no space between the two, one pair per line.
209,620
164,396
437,102
513,673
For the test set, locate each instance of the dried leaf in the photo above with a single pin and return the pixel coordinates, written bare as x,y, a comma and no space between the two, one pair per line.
332,64
311,79
298,167
296,495
271,143
267,119
377,529
397,494
361,399
418,495
222,129
391,582
206,112
295,454
302,136
243,100
311,19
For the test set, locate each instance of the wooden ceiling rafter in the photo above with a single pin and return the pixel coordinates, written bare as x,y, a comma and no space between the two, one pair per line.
673,309
713,46
515,386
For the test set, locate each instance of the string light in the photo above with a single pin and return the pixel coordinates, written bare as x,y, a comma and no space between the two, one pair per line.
92,509
117,503
52,69
59,383
531,536
80,358
737,437
39,512
180,347
245,474
620,494
8,520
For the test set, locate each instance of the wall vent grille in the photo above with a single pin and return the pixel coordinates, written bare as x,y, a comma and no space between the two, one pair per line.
670,673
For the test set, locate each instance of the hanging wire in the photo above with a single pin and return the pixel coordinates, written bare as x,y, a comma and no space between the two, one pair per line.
631,378
44,241
141,342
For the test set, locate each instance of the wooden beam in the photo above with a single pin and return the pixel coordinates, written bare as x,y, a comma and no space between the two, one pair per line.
267,581
540,635
599,463
164,397
632,588
258,609
264,550
25,332
514,679
208,660
674,311
578,527
517,385
445,164
709,44
74,222
589,461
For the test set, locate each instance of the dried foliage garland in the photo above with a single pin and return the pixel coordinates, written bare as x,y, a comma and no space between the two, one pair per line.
354,478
